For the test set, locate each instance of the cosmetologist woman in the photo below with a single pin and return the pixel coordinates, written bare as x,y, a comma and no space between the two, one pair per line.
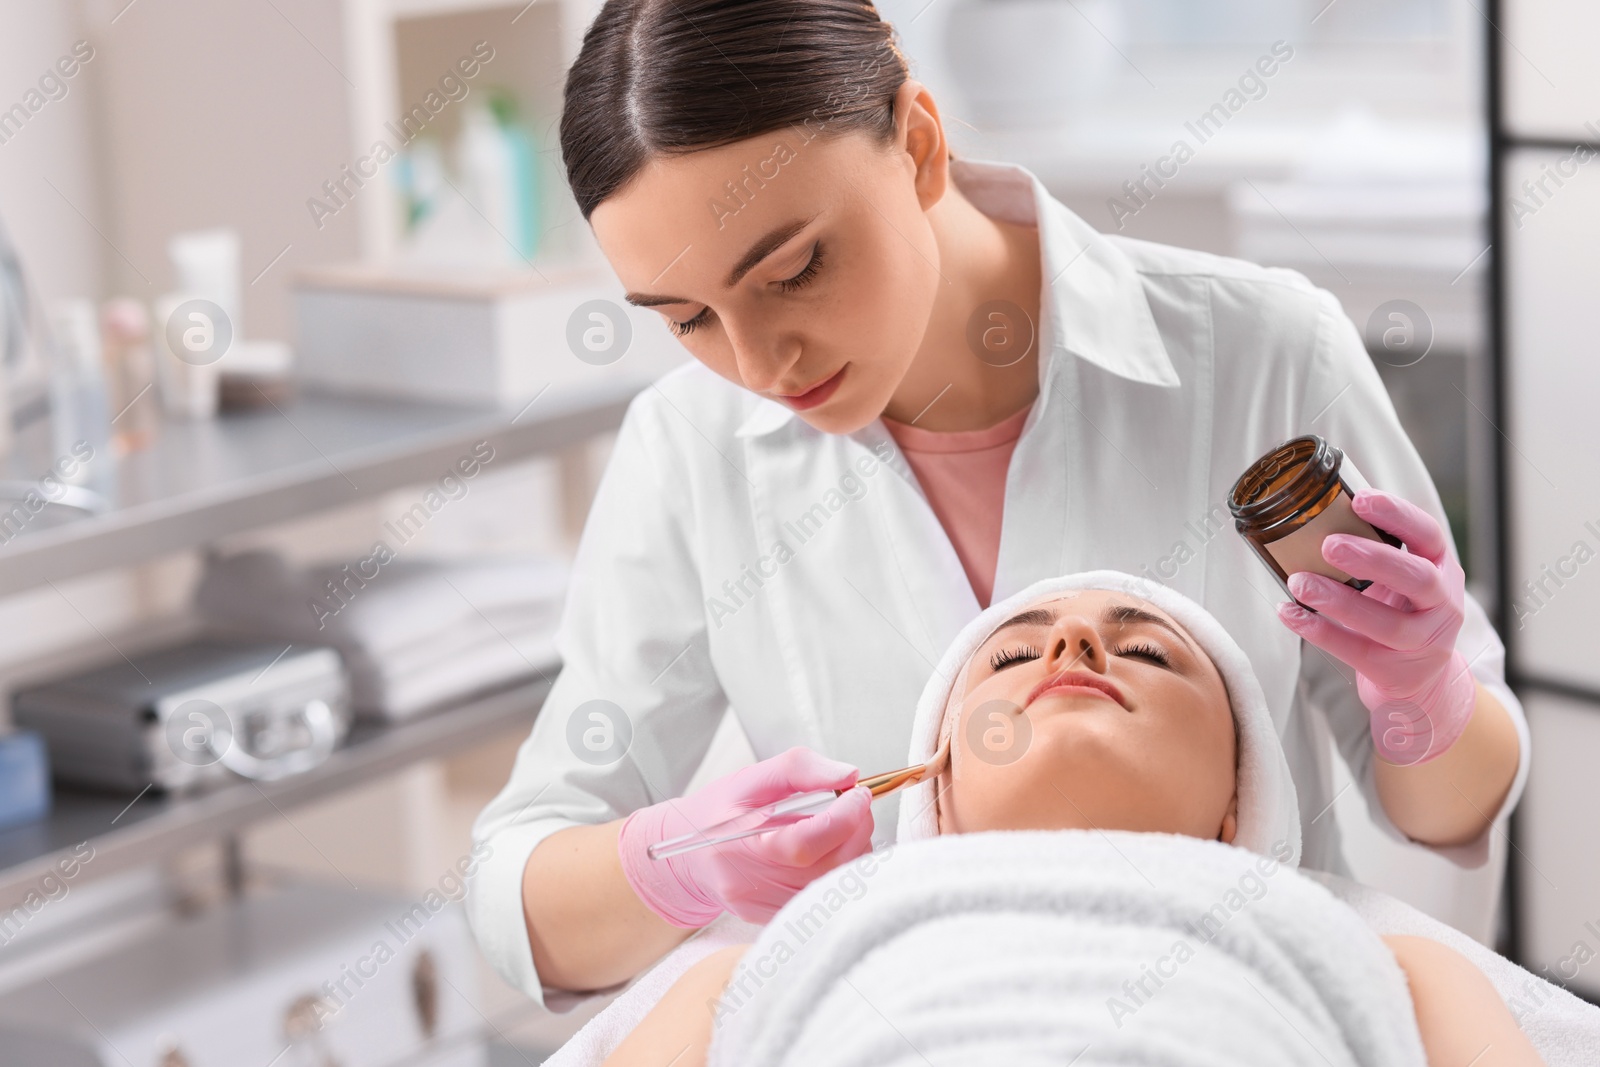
920,384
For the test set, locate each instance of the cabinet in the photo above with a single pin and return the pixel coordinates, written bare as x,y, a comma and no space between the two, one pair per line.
1545,116
208,480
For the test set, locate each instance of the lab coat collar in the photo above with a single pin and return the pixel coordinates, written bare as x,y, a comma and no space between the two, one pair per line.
1093,304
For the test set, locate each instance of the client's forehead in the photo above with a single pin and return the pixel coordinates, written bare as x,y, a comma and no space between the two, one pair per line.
1104,607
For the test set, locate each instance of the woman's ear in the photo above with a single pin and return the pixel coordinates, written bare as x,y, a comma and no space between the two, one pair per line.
1230,822
919,132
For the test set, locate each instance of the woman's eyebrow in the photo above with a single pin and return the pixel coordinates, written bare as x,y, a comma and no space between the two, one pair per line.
1124,614
1031,617
764,247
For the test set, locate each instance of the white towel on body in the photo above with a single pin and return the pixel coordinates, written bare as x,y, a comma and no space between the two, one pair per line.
1068,946
1564,1029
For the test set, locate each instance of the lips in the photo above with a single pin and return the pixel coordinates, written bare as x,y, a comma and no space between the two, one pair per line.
1068,680
815,395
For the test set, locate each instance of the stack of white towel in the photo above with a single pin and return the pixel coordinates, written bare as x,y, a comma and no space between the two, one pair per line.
414,634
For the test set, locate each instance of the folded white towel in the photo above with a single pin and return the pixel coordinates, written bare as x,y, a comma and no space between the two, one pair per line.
381,606
485,659
413,633
1062,947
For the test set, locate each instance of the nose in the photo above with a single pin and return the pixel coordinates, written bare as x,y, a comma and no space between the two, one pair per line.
1075,644
761,356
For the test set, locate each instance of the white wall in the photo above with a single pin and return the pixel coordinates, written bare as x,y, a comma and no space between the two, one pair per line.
225,114
54,228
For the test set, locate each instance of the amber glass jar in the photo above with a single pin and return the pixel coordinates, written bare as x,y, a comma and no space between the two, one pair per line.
1293,497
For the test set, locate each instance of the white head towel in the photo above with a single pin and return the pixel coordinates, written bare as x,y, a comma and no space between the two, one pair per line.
1269,811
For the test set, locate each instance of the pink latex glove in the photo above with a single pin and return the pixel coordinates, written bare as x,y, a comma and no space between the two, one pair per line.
754,876
1400,633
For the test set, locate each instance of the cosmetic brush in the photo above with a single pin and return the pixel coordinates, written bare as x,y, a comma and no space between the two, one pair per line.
791,810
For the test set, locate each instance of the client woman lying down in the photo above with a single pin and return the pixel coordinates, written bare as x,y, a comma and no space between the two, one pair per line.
1103,873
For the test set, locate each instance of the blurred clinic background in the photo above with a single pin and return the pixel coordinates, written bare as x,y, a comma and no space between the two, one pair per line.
294,295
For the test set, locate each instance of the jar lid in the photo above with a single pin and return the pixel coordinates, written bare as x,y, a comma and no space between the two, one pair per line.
1285,481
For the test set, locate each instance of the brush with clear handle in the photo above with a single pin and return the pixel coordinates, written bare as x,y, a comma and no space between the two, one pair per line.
791,810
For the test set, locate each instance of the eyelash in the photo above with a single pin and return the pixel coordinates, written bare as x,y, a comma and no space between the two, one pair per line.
1149,651
788,285
1009,656
807,273
683,329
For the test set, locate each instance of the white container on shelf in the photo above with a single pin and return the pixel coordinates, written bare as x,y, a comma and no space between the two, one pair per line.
206,263
189,340
485,337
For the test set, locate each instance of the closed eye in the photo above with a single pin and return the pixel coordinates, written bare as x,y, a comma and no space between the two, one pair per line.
1011,656
682,329
1145,651
806,273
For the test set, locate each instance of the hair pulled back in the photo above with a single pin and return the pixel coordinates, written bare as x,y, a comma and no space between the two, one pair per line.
664,77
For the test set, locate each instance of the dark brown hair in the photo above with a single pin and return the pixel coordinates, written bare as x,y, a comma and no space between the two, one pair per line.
659,77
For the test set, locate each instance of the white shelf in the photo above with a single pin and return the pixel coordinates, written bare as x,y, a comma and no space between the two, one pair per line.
534,44
205,480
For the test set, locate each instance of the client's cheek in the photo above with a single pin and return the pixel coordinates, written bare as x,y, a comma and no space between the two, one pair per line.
996,733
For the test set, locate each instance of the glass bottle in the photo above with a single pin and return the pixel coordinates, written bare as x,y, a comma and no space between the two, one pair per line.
1293,497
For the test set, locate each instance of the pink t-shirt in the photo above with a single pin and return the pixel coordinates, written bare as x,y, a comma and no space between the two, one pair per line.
964,477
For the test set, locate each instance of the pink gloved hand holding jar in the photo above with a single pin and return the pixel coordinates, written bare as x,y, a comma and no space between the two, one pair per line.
1375,586
1399,633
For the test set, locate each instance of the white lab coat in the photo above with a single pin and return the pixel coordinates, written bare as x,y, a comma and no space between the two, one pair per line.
736,557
